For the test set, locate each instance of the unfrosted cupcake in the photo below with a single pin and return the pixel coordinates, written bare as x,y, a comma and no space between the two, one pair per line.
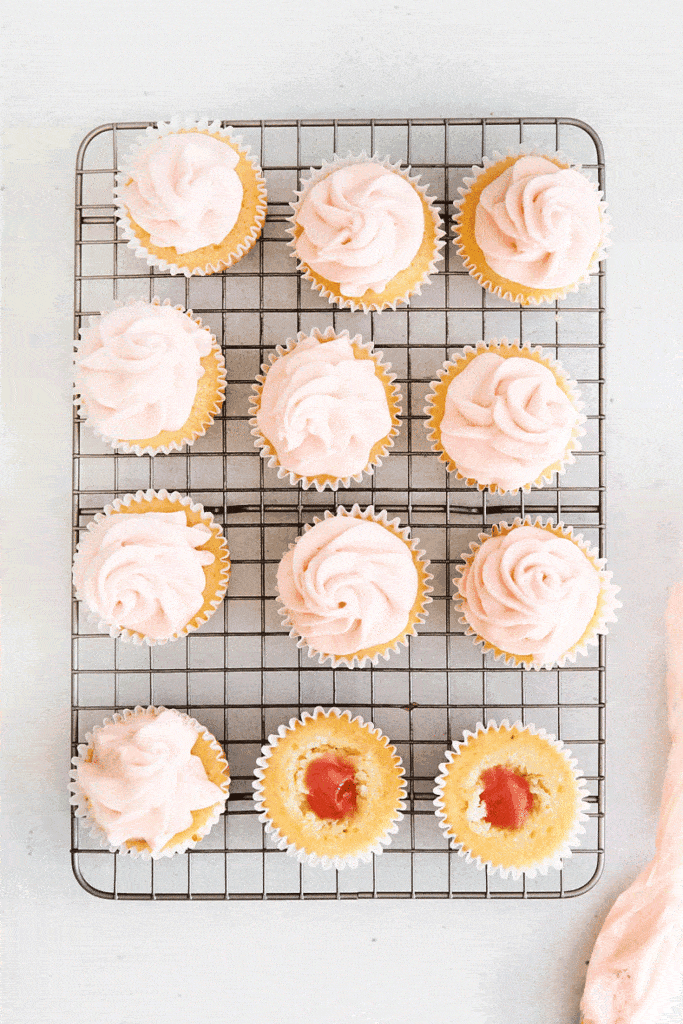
326,410
190,198
511,798
150,782
530,228
330,789
504,417
152,567
365,233
534,594
149,377
353,587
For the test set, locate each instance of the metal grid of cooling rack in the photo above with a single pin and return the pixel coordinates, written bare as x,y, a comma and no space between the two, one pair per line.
241,675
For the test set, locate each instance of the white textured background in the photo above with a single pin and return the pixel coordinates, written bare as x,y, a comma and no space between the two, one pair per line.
72,65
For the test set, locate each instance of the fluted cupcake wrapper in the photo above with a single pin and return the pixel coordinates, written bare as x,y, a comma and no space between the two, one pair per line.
379,450
139,849
435,405
295,849
571,841
475,261
422,266
226,253
162,501
198,422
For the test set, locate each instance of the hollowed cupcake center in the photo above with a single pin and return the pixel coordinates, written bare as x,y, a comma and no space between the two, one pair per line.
330,784
507,797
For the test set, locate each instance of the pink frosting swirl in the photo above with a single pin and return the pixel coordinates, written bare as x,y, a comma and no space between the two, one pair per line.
530,593
506,420
538,224
323,409
137,370
144,572
143,782
348,584
184,190
362,224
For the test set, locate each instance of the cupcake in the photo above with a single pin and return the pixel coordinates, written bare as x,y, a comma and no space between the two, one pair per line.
353,587
190,199
364,233
326,410
152,567
330,789
534,594
511,798
504,417
530,228
149,782
149,377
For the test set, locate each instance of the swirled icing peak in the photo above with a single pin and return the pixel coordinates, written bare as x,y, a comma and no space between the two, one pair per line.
184,190
323,409
538,224
506,420
530,593
144,571
362,224
137,370
348,584
143,782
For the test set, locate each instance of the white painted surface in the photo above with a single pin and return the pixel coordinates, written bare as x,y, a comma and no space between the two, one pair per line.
71,66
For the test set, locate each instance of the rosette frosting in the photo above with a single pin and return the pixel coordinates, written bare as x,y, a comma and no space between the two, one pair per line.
144,572
348,584
184,190
143,782
137,370
539,224
506,420
362,224
322,409
530,593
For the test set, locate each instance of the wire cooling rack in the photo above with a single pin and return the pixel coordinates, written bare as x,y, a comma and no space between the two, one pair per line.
241,675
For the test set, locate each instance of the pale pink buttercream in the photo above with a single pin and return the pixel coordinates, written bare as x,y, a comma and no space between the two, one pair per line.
322,409
184,190
144,572
506,420
530,593
538,224
348,584
143,782
362,224
137,370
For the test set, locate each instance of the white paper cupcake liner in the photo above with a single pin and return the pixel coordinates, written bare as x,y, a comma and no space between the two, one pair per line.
294,849
353,302
128,447
424,590
266,448
81,803
607,602
122,633
525,349
123,220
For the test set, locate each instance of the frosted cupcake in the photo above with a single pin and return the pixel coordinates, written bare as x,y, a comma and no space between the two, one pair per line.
511,798
330,789
530,228
535,595
353,587
190,199
504,417
365,233
149,377
325,410
152,567
150,782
